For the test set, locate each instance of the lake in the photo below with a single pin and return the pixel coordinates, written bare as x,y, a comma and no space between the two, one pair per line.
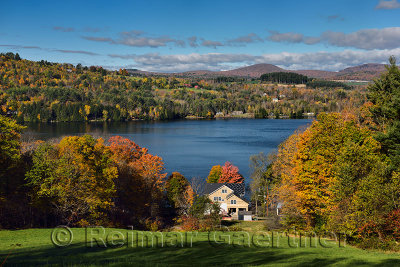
190,147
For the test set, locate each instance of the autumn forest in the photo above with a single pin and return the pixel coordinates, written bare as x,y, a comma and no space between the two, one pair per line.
340,174
49,92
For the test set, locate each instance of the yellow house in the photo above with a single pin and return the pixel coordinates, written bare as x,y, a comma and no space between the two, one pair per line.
229,196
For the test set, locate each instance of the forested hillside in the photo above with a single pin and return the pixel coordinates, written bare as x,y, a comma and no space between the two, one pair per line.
342,173
44,91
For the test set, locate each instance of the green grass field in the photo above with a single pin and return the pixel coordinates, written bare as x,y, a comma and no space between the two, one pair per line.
34,247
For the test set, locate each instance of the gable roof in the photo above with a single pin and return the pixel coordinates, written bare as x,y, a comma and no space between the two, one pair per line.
233,194
238,189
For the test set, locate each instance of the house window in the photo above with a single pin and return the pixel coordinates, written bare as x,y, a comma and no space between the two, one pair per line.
217,198
233,201
224,191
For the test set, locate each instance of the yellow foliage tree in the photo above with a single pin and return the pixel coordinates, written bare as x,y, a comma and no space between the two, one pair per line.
77,176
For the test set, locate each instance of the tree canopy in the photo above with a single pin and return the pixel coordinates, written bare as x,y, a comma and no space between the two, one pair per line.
284,77
342,173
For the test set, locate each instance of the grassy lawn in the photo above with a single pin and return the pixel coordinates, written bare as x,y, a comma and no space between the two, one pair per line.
34,247
248,226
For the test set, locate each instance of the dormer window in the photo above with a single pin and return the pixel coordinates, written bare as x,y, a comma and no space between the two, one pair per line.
224,191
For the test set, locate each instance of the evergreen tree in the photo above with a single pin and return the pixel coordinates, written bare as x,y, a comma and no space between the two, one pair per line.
384,93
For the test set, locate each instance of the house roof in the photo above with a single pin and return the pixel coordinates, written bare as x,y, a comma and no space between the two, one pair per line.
233,194
238,189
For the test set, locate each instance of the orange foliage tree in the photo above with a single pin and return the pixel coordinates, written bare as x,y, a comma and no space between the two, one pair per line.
141,180
230,174
282,169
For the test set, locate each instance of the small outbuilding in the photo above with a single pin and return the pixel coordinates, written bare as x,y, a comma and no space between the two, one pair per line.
245,215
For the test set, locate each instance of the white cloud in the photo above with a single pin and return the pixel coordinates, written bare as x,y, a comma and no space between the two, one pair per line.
18,47
137,39
386,38
246,39
76,52
98,39
291,37
369,39
332,61
322,60
140,39
182,62
388,4
193,41
63,29
211,43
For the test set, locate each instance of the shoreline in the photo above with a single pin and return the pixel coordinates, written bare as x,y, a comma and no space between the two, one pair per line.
191,118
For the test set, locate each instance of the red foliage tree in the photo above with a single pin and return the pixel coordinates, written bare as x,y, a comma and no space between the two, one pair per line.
393,224
230,174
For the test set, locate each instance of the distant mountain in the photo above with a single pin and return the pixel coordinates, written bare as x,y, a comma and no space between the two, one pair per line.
370,67
362,72
252,71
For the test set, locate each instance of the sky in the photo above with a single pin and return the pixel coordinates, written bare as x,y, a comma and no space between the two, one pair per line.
175,36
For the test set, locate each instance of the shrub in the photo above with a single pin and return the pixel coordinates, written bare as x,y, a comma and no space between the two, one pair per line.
273,222
190,223
393,224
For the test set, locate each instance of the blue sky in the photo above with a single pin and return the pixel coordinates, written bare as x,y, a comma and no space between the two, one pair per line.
176,36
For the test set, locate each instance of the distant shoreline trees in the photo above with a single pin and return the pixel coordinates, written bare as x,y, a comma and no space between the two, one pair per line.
53,92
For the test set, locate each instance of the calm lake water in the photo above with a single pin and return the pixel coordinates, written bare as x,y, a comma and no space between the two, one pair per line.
190,147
